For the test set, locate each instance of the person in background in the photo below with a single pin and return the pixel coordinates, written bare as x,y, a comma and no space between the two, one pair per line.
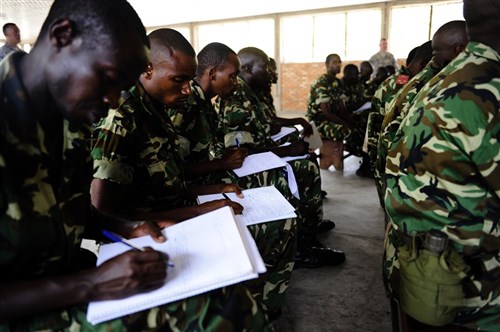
382,58
355,102
12,39
442,176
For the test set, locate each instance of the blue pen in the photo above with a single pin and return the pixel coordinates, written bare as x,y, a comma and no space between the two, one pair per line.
118,238
237,142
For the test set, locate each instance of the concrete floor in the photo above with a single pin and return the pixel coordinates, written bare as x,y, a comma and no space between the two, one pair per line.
349,297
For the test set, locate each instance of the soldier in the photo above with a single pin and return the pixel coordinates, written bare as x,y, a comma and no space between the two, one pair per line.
12,39
442,175
325,106
208,160
70,79
383,96
382,58
448,41
242,116
354,100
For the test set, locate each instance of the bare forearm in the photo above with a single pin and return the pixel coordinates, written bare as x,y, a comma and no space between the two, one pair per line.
23,299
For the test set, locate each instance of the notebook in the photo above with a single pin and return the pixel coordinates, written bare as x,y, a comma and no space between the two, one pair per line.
209,252
260,205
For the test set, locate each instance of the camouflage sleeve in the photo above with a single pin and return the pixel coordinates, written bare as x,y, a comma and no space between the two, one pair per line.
110,149
237,122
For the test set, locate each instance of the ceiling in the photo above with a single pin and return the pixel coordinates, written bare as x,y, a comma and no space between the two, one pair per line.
29,14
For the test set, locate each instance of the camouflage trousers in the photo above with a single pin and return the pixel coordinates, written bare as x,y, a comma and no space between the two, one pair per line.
310,205
481,310
336,132
276,241
226,309
373,132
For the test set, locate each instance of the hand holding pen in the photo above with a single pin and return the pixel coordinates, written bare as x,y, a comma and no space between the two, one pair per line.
118,238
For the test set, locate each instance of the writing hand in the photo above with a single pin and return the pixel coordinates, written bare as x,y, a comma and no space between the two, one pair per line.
128,274
308,129
148,228
234,158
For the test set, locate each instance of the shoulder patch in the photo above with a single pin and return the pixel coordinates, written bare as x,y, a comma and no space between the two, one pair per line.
402,79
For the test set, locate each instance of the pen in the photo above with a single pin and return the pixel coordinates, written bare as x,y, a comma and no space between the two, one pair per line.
226,196
237,142
118,238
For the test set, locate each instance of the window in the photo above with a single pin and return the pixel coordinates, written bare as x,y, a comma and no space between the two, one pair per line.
296,38
239,34
444,13
329,36
409,28
363,34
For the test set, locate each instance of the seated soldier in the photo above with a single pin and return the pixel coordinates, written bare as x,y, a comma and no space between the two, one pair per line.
45,174
243,118
354,100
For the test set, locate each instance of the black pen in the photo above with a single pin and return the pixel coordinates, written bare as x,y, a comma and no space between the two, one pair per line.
226,196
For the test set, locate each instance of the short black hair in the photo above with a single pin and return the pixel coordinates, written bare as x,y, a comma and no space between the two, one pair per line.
98,22
330,56
212,55
351,68
411,55
168,40
6,26
424,52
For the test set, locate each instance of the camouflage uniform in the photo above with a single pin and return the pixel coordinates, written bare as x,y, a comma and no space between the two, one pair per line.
326,90
443,173
196,124
136,145
382,59
381,99
353,96
242,116
45,204
395,112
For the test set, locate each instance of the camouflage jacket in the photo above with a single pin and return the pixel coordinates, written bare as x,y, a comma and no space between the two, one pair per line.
443,167
388,89
136,145
196,125
44,199
323,90
242,117
395,111
353,96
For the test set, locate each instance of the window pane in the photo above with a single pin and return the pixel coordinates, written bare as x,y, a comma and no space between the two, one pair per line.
362,26
409,28
329,36
296,38
237,35
444,13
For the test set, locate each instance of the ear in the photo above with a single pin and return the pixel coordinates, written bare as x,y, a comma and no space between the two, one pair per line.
459,48
211,73
61,33
149,71
247,68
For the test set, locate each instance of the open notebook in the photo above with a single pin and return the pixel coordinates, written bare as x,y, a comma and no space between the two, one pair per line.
260,205
209,252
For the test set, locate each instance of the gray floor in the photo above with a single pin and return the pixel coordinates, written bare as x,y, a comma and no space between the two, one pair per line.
349,297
